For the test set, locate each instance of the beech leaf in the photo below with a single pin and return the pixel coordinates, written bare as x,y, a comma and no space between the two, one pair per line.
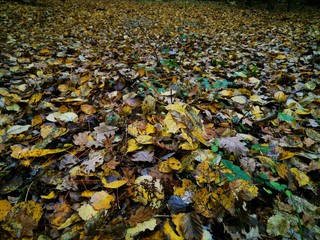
191,226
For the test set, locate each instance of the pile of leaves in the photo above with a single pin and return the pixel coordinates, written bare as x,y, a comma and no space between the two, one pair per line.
138,120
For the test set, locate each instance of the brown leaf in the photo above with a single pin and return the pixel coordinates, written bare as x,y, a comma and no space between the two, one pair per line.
233,145
142,214
191,226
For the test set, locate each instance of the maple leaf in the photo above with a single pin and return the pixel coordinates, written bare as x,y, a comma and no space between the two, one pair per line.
233,145
143,156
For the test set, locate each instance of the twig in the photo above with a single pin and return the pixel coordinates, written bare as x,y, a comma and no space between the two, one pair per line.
28,192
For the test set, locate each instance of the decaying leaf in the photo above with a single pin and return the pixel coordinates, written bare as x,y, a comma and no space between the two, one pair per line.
114,114
22,219
277,226
141,227
5,207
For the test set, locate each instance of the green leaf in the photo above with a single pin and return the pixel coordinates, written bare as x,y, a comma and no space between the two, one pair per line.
230,177
277,186
239,173
206,83
285,117
267,190
288,193
222,84
215,146
263,176
260,148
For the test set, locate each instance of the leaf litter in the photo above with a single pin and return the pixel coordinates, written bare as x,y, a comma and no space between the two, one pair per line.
150,120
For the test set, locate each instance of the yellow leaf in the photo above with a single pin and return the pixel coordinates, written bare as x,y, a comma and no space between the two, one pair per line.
174,163
133,130
87,193
150,129
141,227
187,186
178,107
19,152
186,137
281,57
133,145
126,110
148,105
88,109
142,71
256,98
140,128
300,176
268,161
170,233
171,124
48,130
256,112
176,219
86,211
239,99
282,170
198,133
244,189
36,120
70,221
226,198
5,207
164,167
279,96
44,51
196,68
51,195
101,200
35,98
302,111
286,155
144,139
188,146
113,184
226,93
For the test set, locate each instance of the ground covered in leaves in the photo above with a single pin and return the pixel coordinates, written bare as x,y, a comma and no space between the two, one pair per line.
143,120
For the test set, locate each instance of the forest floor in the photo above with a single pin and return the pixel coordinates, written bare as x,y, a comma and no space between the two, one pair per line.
148,120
